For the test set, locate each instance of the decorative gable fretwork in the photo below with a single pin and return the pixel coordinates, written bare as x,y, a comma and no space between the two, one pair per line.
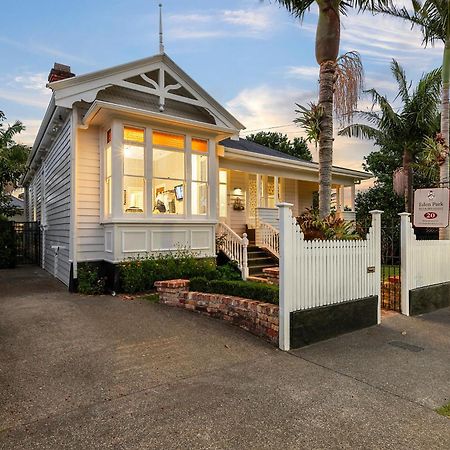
159,78
162,84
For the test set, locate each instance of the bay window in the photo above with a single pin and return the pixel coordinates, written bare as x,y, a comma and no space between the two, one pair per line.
168,173
199,184
154,173
133,170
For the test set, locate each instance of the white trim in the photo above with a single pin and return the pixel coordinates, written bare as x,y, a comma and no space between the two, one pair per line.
97,105
247,156
144,250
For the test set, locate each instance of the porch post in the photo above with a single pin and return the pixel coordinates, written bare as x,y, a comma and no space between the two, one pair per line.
352,197
342,200
338,198
275,190
258,190
405,260
285,277
376,227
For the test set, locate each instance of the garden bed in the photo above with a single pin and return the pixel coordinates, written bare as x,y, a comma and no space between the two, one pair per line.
257,317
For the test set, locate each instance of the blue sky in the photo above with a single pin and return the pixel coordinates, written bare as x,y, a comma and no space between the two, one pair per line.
251,55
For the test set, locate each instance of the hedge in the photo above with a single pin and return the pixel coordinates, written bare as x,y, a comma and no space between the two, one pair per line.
247,289
140,274
7,245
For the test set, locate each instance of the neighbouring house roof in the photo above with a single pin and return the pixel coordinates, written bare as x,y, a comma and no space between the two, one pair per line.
250,148
17,202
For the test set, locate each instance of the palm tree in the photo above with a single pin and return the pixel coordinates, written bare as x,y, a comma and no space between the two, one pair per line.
433,18
406,130
327,51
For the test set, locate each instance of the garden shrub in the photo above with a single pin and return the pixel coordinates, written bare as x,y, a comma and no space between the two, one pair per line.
139,274
247,289
7,245
331,227
89,280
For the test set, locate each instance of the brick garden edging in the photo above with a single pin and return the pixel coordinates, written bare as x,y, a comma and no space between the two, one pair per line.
257,317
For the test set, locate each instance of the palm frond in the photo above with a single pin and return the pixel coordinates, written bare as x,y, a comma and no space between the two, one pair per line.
360,131
400,76
298,8
348,86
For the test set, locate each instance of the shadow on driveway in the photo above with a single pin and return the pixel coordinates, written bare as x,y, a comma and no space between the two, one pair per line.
102,372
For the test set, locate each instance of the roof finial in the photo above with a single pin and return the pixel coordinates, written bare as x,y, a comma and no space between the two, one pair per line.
161,43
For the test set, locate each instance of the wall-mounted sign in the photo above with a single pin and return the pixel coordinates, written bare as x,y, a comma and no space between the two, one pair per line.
431,207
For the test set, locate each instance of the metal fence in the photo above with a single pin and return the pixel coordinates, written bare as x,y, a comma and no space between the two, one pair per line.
20,243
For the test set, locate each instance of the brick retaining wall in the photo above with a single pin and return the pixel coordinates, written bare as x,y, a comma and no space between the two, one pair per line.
257,317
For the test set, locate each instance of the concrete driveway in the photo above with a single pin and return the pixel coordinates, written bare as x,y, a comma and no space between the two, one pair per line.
82,372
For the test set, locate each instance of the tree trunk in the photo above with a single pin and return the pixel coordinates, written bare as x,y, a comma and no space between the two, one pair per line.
407,159
326,81
327,51
444,233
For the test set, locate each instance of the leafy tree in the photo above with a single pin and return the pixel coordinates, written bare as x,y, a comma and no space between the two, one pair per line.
433,19
401,133
13,158
339,83
298,147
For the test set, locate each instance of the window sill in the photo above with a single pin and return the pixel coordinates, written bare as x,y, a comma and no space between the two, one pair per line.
160,220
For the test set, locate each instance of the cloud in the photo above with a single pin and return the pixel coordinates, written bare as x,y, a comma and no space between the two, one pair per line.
28,136
270,108
26,89
303,72
39,49
255,22
267,106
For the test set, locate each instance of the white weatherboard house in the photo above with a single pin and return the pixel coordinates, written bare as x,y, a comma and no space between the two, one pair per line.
138,159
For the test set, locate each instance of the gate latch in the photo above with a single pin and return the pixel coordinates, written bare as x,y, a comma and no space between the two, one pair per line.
371,269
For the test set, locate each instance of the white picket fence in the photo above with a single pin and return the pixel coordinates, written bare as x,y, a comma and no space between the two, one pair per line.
320,273
423,263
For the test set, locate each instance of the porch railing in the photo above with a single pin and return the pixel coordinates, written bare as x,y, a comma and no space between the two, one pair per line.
234,246
268,237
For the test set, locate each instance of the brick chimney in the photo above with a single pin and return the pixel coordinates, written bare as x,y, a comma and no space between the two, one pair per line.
59,72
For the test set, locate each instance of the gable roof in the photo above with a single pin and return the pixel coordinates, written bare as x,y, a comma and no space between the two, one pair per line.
158,76
254,149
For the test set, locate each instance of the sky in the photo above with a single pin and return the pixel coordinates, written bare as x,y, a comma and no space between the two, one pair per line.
250,55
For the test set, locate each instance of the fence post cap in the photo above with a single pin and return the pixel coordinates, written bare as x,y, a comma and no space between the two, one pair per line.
376,211
284,205
404,214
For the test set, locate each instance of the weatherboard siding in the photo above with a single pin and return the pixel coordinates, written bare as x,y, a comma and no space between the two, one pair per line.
90,237
57,199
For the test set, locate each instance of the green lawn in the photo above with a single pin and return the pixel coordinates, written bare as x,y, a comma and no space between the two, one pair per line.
444,410
388,271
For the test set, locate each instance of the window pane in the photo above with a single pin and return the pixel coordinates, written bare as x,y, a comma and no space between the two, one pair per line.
199,198
222,176
199,145
199,168
108,162
133,134
168,196
133,194
168,140
168,164
108,196
223,210
133,160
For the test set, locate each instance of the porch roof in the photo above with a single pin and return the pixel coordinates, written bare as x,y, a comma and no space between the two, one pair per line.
248,148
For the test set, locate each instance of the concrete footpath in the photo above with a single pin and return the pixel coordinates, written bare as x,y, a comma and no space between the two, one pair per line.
80,372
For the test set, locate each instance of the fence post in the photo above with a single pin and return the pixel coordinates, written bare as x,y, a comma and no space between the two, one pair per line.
405,260
376,227
285,277
244,256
